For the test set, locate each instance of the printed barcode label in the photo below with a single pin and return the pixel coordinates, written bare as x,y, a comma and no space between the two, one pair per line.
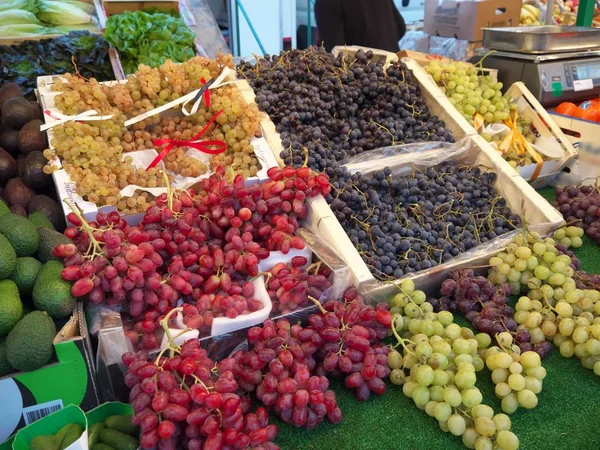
36,412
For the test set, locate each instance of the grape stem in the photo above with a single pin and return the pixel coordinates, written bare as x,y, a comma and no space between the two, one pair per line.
401,340
165,326
94,245
318,304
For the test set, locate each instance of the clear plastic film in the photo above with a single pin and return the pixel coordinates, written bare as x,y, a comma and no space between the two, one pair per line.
417,41
521,198
457,49
106,325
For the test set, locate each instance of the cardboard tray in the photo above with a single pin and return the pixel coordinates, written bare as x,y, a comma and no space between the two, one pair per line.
100,16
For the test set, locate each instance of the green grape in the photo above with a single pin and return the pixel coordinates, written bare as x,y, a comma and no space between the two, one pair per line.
527,399
456,424
510,403
443,411
469,437
507,440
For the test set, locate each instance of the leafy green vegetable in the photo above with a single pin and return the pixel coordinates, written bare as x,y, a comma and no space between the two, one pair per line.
24,62
27,5
15,16
143,38
24,29
87,7
62,13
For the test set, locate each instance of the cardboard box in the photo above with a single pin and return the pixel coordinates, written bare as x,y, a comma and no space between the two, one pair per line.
465,19
29,396
51,425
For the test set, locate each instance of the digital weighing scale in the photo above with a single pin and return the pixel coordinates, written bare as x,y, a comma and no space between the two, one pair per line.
556,63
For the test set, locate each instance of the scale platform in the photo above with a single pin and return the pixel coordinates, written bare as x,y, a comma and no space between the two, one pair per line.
556,63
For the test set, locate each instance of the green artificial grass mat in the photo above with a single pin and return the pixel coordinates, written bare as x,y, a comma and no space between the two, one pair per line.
566,418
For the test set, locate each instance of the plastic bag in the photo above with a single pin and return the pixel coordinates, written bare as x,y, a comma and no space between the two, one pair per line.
417,41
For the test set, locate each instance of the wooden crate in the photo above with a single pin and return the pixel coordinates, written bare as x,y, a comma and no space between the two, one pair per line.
120,6
520,196
322,221
425,58
378,55
67,189
543,123
100,16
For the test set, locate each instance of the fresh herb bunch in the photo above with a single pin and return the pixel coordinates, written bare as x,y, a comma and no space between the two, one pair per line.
79,51
143,38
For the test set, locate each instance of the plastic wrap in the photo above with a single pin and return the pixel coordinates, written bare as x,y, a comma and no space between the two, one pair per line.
457,49
415,40
537,212
106,325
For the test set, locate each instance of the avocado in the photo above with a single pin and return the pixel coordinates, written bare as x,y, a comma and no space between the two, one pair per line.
118,440
31,139
51,293
25,273
21,233
49,239
18,210
16,193
9,90
16,112
39,220
33,174
29,344
5,368
37,110
3,208
9,141
8,258
8,166
101,446
50,209
11,308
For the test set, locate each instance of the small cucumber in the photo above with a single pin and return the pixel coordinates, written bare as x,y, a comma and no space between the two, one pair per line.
71,435
102,446
94,433
122,423
118,440
44,443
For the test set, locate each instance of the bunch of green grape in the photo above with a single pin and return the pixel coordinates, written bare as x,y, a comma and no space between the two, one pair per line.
436,366
469,91
517,376
553,307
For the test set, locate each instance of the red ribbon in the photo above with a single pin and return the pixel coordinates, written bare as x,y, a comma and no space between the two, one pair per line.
206,94
203,146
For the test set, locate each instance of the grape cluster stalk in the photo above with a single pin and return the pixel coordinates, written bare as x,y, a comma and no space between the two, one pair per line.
202,246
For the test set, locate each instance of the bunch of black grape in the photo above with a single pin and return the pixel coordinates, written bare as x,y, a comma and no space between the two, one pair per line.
404,224
336,107
485,306
580,205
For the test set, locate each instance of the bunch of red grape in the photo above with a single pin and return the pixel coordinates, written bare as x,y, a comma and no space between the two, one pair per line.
580,205
290,285
201,247
182,402
485,306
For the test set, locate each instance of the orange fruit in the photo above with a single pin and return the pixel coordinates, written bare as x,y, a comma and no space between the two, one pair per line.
590,114
567,109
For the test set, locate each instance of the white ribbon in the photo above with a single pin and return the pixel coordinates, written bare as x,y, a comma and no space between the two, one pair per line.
185,99
90,115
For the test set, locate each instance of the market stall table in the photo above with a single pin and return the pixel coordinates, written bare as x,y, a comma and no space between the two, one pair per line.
567,417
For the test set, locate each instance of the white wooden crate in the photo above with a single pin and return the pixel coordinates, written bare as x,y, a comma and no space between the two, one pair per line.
66,189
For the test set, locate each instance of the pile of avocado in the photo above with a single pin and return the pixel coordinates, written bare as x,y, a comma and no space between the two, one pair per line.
22,144
59,441
32,291
115,433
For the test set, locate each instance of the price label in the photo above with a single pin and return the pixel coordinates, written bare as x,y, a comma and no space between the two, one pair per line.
583,85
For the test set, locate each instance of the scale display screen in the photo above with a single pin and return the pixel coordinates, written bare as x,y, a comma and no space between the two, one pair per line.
586,71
